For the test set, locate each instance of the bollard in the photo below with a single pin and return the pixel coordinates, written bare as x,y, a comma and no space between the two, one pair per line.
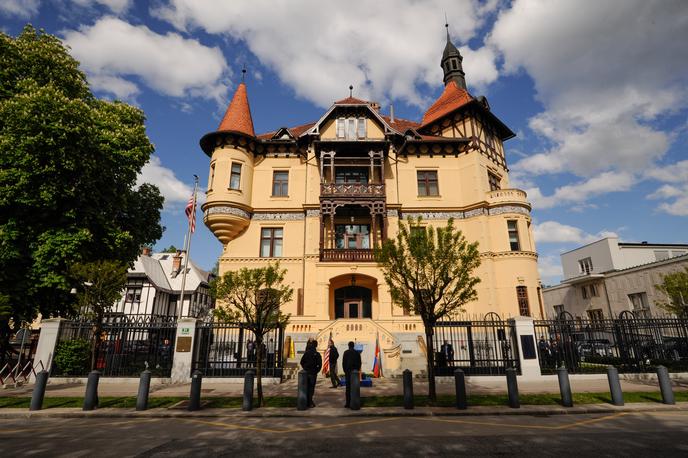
460,384
91,396
144,389
615,386
39,390
408,389
564,387
512,387
355,403
302,394
665,385
195,394
247,405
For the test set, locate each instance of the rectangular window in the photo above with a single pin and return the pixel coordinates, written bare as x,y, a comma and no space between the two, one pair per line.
558,309
341,128
595,315
361,127
639,305
427,183
522,296
494,181
212,177
271,242
235,176
593,290
585,265
133,295
351,128
512,226
584,291
343,175
352,236
280,183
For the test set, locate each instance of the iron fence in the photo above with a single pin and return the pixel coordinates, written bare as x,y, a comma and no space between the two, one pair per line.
628,343
128,345
485,347
229,350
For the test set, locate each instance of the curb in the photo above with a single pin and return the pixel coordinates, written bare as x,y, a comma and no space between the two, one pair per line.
325,412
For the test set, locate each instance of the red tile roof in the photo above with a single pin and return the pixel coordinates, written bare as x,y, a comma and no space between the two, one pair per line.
295,131
238,115
351,101
400,125
452,98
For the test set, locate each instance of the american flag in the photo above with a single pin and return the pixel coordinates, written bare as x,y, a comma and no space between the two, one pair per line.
326,363
190,211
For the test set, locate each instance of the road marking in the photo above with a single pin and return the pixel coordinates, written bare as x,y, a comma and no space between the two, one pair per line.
290,430
593,420
523,426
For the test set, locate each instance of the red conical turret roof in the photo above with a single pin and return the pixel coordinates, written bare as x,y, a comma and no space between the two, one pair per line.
238,118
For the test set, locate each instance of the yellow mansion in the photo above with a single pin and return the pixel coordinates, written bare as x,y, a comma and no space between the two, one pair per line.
318,197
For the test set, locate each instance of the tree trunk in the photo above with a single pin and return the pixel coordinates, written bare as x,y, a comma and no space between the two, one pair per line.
432,394
97,330
259,369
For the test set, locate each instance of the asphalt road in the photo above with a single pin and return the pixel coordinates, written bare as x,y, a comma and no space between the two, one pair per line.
621,434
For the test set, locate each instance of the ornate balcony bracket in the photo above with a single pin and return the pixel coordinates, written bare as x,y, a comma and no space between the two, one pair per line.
352,190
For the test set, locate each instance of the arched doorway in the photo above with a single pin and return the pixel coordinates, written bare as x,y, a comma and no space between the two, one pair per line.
353,302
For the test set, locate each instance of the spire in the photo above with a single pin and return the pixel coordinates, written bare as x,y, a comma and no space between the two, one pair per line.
451,63
238,115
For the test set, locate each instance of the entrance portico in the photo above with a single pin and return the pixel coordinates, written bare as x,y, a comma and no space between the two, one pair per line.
353,296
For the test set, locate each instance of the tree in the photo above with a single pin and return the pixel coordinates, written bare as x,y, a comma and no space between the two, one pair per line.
429,271
675,286
68,169
253,298
170,249
101,283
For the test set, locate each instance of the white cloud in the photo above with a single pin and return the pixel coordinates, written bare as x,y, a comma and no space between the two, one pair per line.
677,175
579,192
550,269
173,190
20,8
116,6
555,232
111,51
384,48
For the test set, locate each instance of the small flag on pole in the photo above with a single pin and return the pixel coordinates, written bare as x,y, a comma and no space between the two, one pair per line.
190,211
377,363
326,363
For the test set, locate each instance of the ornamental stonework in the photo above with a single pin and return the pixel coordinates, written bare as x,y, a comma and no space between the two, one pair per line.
278,216
312,212
508,209
228,210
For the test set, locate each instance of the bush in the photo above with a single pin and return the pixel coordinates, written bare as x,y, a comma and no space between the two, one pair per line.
72,357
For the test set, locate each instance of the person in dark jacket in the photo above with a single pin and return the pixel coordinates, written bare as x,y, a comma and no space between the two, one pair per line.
334,356
350,362
311,362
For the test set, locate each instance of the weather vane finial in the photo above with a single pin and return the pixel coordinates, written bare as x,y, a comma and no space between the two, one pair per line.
243,74
446,24
351,90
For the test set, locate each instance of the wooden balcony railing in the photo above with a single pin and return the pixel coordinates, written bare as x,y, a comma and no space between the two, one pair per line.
352,189
342,255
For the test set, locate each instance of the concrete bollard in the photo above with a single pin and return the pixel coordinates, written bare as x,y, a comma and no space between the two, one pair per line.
460,385
615,386
665,385
355,403
195,394
91,396
144,389
408,389
39,390
512,388
247,404
302,393
565,387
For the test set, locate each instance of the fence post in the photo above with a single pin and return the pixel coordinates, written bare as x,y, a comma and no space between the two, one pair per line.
665,385
302,393
247,404
615,386
408,389
512,388
47,341
144,389
184,344
526,351
355,403
39,390
195,394
460,385
564,387
91,396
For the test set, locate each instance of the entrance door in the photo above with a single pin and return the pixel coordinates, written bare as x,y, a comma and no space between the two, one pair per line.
353,309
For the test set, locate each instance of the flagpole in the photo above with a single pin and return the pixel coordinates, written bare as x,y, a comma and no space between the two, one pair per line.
187,250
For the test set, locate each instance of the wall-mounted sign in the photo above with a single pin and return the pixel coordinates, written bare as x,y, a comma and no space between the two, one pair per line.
186,331
183,344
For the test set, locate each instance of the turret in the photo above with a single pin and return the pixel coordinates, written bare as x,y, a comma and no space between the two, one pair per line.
451,64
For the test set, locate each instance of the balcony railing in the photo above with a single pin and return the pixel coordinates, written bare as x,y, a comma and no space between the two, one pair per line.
352,189
351,255
507,196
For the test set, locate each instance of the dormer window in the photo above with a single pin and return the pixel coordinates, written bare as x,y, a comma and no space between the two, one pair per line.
351,128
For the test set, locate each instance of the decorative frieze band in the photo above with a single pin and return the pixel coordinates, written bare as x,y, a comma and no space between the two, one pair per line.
228,210
429,215
279,216
313,212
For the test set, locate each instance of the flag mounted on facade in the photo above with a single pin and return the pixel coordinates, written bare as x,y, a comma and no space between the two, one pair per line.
377,363
190,212
326,363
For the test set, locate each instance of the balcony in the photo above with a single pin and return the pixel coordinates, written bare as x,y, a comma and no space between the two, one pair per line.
504,196
352,190
347,255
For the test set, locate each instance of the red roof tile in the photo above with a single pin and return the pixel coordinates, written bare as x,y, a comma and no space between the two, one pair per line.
238,115
295,131
452,98
351,101
400,125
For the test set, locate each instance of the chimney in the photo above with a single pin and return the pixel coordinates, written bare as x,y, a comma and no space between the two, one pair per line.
177,262
375,106
146,251
391,113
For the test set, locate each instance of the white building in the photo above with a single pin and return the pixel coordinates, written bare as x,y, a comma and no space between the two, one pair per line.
606,277
154,287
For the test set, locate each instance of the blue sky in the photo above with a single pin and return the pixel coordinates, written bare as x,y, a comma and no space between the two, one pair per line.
596,91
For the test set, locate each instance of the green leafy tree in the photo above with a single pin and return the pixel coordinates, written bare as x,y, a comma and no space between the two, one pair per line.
170,249
675,287
254,297
68,169
429,271
101,287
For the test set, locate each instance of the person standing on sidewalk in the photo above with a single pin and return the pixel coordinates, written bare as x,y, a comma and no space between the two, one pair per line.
311,362
333,357
350,362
